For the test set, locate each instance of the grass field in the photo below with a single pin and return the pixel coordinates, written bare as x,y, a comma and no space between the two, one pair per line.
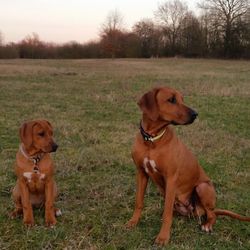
92,105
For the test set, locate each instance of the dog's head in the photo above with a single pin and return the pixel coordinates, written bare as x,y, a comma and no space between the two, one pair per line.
38,135
166,104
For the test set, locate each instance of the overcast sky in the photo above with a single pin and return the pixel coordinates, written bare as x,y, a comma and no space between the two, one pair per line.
67,20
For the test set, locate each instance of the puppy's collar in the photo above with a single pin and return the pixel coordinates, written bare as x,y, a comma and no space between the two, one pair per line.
147,137
35,159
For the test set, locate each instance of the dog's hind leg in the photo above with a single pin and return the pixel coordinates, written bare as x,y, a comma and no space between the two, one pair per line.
18,204
207,198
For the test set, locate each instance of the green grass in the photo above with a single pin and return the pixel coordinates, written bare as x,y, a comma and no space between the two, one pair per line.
92,105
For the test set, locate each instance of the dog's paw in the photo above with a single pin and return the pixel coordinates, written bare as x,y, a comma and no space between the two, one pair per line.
131,224
50,221
208,228
161,239
28,222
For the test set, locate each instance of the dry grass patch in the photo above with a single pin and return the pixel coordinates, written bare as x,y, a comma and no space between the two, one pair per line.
92,105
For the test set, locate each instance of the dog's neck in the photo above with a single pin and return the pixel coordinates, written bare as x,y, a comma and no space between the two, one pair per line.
31,154
153,128
154,131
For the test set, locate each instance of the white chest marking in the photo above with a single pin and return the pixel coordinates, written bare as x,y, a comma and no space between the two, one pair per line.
28,175
145,164
153,165
149,164
42,176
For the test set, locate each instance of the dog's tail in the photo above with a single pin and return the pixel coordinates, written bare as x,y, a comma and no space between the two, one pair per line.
231,214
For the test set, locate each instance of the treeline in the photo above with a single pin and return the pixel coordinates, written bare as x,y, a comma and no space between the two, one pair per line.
221,30
32,47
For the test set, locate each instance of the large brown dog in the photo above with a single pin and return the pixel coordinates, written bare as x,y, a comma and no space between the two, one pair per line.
34,170
160,155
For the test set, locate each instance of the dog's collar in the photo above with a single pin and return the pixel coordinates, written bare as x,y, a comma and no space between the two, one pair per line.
35,159
147,137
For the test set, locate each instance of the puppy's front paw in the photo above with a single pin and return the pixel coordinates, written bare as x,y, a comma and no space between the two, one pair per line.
161,239
50,221
28,222
131,223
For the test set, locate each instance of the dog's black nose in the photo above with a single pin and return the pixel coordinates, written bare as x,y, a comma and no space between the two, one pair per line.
194,114
54,147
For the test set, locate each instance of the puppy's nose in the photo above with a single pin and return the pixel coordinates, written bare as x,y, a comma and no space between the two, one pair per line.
54,147
193,115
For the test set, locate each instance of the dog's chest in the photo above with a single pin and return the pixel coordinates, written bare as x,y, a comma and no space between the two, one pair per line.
154,172
35,181
149,166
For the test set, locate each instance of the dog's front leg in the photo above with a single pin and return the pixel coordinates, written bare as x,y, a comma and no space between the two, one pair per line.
164,235
50,219
28,218
141,181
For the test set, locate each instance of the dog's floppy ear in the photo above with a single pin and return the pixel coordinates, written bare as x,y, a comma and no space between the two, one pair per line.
26,133
48,124
148,104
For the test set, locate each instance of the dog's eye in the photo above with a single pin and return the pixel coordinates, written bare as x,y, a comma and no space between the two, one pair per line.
41,134
172,100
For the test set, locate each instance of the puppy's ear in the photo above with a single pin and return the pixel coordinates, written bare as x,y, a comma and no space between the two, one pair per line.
48,124
148,104
26,133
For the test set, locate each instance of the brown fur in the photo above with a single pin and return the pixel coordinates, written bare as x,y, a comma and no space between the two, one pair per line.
35,188
171,165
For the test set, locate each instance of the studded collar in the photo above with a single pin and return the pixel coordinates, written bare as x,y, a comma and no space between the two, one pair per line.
35,159
147,137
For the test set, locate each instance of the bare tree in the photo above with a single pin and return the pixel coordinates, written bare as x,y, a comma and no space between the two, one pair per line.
32,39
149,36
114,21
170,15
191,38
225,15
30,46
111,32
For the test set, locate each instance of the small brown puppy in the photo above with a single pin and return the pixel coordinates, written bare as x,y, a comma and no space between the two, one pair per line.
160,155
34,169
